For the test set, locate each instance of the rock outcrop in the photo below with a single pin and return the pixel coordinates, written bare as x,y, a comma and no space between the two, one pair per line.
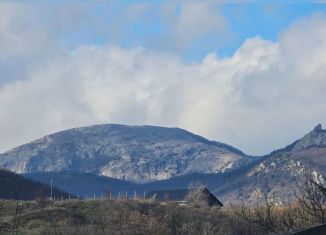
136,153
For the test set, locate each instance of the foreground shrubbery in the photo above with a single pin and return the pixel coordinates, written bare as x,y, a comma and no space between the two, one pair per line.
145,217
268,216
117,217
112,217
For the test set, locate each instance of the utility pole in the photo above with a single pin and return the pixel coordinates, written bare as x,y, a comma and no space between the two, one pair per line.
51,189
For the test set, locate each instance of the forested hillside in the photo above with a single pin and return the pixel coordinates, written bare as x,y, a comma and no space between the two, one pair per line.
17,187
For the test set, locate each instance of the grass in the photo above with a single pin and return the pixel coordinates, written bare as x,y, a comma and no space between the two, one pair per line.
106,217
35,218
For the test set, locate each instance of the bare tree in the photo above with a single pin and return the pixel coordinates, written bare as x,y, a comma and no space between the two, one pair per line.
197,194
17,217
311,198
262,213
308,209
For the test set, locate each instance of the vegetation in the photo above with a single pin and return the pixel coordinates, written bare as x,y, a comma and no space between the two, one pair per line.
138,216
14,186
267,216
109,217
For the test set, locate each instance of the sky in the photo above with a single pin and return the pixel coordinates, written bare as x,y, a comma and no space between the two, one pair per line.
250,74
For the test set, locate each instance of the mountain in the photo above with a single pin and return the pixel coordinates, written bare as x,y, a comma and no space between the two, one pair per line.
280,171
135,153
14,186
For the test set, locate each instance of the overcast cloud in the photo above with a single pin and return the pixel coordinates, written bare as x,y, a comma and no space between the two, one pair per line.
262,97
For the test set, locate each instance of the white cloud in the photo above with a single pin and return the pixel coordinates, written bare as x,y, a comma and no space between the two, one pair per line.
22,33
264,96
191,21
196,20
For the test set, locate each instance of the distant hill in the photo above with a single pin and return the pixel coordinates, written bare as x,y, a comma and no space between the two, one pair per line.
88,184
280,171
17,187
135,153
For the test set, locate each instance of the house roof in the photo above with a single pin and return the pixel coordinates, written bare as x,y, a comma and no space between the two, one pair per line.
168,195
180,195
321,229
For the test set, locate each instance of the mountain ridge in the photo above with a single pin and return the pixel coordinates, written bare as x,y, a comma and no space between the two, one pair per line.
277,172
280,171
137,153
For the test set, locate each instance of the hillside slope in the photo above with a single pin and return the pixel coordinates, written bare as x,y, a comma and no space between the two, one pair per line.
136,153
280,171
88,184
13,186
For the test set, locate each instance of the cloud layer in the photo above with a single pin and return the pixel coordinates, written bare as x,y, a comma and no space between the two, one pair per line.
264,96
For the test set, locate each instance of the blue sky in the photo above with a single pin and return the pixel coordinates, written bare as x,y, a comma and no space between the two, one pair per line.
149,29
265,20
250,75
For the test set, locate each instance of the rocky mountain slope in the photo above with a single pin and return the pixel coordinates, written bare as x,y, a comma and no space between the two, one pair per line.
280,171
136,153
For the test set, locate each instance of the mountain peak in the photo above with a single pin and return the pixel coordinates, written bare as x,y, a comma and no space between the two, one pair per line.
318,128
315,138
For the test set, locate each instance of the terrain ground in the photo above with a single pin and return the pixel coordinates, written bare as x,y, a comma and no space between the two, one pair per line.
108,217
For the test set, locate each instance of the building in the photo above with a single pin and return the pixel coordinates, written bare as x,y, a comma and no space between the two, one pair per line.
318,230
181,196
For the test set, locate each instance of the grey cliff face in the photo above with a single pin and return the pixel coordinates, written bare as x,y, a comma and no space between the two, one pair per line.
316,138
281,171
135,153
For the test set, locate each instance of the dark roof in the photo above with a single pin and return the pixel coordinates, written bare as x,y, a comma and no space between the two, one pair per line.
168,195
180,195
321,229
